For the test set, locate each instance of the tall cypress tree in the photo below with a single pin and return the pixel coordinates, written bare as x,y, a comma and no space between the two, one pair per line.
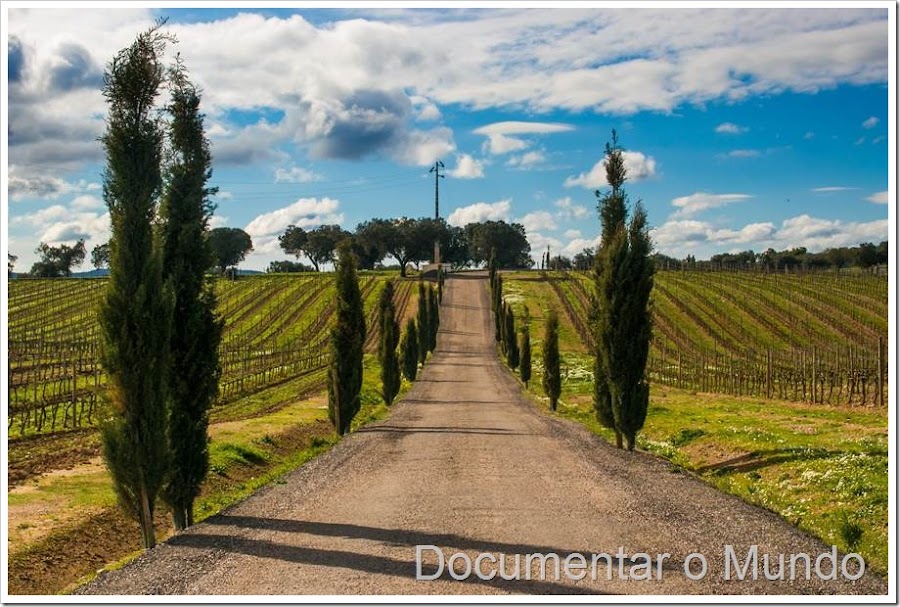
525,357
345,371
410,349
497,306
512,345
552,381
387,345
422,323
492,268
434,318
136,315
194,372
623,275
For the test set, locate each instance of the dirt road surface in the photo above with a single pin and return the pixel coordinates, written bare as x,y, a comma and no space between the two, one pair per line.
469,465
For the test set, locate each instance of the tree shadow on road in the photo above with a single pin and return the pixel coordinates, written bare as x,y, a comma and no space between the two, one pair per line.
444,430
343,559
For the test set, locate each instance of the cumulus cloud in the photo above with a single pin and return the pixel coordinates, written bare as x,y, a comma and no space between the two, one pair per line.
682,237
528,160
879,197
538,220
637,167
296,174
21,185
702,201
730,128
572,234
870,122
305,213
467,167
500,138
480,211
570,210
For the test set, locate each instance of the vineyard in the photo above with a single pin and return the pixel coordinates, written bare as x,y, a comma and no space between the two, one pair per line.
818,338
275,329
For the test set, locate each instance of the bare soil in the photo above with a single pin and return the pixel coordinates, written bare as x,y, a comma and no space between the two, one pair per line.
466,463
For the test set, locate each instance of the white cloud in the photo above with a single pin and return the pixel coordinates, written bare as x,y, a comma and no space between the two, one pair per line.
730,128
808,135
305,213
743,154
572,234
86,202
426,110
870,122
570,210
682,237
539,243
860,141
218,221
422,148
879,197
832,188
501,144
528,160
637,167
577,245
296,174
702,201
538,220
467,168
480,211
498,134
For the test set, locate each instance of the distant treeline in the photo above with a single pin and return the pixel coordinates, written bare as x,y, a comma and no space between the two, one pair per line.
866,255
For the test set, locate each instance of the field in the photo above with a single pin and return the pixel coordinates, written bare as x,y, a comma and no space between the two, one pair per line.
767,386
275,330
823,467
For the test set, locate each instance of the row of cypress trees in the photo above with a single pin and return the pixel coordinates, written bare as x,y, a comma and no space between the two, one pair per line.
160,335
348,336
517,351
619,315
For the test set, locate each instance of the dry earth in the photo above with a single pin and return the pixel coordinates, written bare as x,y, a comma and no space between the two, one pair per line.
466,463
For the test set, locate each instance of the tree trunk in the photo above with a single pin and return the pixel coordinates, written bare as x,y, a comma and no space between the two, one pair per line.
618,440
178,518
148,535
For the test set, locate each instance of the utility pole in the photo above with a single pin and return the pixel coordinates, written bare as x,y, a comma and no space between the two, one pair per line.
436,169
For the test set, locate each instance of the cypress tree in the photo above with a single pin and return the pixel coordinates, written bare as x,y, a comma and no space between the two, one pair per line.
623,274
512,345
440,286
410,349
497,306
434,318
422,323
525,358
552,381
196,332
136,315
345,371
387,345
492,268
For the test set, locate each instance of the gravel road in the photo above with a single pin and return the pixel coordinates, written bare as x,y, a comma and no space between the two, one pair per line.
465,463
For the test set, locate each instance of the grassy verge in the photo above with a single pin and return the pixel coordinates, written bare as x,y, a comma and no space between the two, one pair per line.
823,468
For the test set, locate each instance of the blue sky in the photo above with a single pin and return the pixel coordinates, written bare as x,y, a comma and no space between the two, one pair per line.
744,128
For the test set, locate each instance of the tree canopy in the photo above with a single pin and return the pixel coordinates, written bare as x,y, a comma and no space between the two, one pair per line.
229,246
58,261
